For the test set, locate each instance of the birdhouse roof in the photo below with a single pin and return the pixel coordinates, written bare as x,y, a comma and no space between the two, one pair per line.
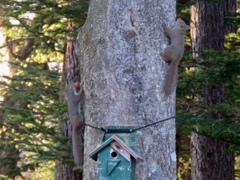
134,154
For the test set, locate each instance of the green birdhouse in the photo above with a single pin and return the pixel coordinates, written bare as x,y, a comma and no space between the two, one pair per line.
116,160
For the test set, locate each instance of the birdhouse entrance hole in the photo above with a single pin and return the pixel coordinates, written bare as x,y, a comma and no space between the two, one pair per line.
114,154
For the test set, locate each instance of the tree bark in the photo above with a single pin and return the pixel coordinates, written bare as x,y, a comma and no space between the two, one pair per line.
209,159
123,76
230,11
71,73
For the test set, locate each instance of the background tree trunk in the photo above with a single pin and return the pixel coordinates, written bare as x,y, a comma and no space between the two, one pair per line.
209,161
71,73
230,11
123,77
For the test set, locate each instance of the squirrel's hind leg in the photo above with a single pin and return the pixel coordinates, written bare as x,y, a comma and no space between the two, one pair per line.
166,55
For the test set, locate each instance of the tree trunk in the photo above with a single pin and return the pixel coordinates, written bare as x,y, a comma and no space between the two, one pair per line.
209,160
71,74
230,11
123,77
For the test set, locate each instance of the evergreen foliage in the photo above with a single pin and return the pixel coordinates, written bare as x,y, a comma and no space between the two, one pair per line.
36,33
193,113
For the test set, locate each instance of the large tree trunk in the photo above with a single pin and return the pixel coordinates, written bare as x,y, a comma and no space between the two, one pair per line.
123,77
209,160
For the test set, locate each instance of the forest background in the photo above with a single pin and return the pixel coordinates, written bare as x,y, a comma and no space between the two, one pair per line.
34,36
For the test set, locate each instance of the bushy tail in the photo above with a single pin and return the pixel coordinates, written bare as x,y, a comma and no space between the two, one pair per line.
171,79
77,139
77,143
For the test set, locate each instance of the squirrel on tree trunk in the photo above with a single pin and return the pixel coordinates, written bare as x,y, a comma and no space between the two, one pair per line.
77,121
174,53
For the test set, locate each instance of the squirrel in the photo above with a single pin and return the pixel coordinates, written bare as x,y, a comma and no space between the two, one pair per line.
74,95
174,52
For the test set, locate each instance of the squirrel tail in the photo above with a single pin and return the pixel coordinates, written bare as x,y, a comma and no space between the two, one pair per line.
77,139
77,144
171,79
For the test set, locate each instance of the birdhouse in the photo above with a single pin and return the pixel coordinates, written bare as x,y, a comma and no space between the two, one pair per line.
116,160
